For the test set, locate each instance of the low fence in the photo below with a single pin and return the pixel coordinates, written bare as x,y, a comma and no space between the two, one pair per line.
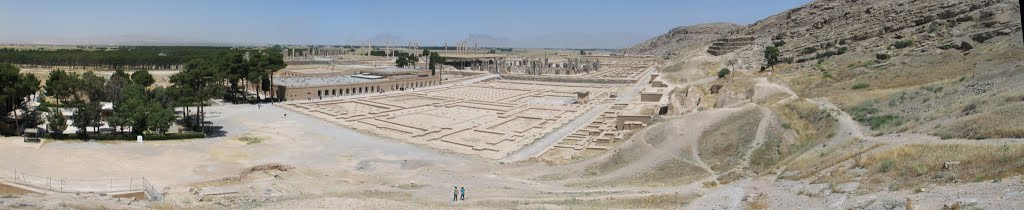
72,185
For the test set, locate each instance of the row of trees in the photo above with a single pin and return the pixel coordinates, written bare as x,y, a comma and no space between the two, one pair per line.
435,60
406,59
163,57
229,76
138,106
16,88
135,106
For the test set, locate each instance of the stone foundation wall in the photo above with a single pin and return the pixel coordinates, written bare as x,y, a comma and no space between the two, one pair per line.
318,92
727,45
568,79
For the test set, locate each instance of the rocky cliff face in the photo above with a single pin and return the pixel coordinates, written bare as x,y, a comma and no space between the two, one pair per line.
680,37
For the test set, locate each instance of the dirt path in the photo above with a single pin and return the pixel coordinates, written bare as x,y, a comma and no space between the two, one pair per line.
762,129
682,134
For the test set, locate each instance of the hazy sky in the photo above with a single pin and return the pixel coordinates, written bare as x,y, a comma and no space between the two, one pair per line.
506,23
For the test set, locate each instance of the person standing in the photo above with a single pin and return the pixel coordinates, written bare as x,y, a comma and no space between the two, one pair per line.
463,189
455,194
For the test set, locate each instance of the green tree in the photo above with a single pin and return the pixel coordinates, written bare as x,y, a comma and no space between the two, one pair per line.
435,62
723,72
15,89
275,62
405,59
195,85
61,85
86,115
771,56
55,121
115,84
159,118
91,86
133,109
142,77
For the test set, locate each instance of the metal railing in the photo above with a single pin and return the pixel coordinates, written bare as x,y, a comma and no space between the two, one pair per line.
72,185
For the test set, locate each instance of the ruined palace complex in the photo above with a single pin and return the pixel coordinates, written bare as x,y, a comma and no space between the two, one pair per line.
501,64
490,105
308,86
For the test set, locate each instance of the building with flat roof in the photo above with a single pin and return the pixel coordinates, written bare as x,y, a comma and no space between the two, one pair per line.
334,85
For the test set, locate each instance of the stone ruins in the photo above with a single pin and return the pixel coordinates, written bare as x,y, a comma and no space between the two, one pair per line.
531,98
489,119
727,45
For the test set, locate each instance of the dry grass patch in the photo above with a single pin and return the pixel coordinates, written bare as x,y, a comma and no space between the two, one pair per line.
250,140
730,177
760,201
663,201
10,191
916,165
1003,122
621,158
722,147
810,163
673,172
811,125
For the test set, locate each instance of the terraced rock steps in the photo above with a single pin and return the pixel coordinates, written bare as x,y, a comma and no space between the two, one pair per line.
727,45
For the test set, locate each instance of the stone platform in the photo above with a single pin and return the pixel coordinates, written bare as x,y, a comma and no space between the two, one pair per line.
490,119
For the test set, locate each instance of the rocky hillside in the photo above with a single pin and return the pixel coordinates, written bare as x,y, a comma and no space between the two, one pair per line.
827,25
830,24
680,37
890,98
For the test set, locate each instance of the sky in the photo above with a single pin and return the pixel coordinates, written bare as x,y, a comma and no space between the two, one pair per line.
493,23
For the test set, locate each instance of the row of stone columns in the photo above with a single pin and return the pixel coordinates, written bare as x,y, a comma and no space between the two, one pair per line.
308,54
537,66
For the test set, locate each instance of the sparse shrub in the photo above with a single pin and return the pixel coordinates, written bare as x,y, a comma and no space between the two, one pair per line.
809,50
885,165
867,114
933,89
779,43
884,121
903,44
933,27
842,50
882,56
710,184
969,108
788,60
723,72
859,86
824,55
920,169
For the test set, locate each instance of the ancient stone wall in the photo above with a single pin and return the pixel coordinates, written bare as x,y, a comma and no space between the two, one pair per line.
727,45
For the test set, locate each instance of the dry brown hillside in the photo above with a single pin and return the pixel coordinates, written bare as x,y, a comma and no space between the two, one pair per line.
873,103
